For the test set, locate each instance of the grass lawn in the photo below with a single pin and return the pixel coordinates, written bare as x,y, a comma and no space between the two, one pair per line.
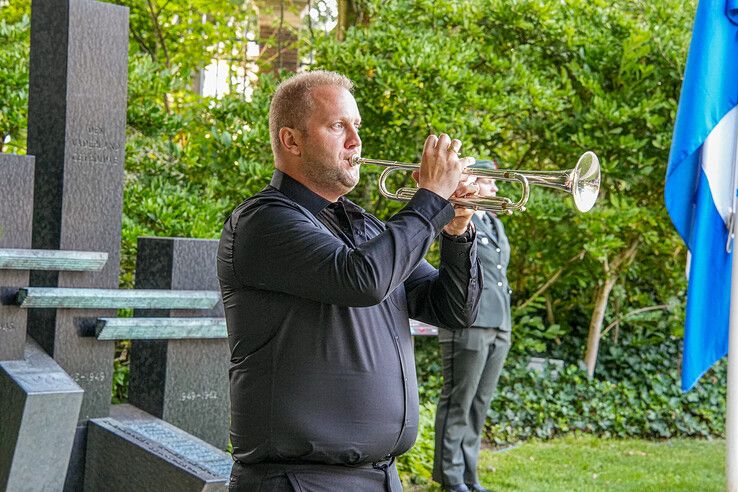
588,464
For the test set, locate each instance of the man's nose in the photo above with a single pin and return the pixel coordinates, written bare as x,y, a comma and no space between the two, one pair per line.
353,139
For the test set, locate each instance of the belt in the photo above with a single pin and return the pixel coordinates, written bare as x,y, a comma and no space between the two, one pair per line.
382,464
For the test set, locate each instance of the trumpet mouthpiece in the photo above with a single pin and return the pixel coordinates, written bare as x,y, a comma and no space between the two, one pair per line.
355,160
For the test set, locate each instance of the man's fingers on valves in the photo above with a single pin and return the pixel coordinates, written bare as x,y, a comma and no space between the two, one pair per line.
455,146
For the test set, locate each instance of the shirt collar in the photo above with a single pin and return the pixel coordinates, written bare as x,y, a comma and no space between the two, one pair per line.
298,193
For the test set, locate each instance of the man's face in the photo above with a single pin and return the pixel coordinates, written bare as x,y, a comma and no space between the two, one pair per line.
330,138
487,187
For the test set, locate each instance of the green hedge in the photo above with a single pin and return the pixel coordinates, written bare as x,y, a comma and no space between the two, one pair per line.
636,393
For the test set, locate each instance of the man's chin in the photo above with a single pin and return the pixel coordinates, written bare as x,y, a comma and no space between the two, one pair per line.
350,179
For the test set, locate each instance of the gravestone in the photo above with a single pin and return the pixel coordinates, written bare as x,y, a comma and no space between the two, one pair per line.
184,382
16,206
133,450
39,404
76,131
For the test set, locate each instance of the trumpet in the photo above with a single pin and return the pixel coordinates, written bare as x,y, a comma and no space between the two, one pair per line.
582,182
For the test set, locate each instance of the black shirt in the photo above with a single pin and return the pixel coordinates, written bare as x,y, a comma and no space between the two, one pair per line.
317,299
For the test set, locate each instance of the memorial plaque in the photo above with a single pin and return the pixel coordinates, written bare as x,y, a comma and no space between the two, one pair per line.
132,450
16,208
76,132
184,382
39,404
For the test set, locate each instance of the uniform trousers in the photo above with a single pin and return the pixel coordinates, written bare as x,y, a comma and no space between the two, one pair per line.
472,362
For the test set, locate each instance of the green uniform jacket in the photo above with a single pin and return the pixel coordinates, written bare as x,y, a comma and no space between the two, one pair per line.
493,251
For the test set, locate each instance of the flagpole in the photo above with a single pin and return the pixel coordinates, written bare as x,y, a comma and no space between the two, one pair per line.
731,410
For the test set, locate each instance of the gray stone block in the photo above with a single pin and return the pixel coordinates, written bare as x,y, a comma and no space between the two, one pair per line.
184,382
132,450
76,131
39,404
16,208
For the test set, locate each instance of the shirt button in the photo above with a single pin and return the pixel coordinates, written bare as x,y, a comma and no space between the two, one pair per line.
498,250
499,284
499,267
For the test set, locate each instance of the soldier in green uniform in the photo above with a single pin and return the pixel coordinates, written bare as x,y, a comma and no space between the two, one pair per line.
473,358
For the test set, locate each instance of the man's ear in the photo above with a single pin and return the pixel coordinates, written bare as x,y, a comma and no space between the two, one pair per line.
291,140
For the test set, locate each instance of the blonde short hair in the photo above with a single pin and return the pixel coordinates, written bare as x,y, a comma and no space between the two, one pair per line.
292,102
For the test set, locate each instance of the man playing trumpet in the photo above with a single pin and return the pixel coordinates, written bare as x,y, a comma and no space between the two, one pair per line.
318,293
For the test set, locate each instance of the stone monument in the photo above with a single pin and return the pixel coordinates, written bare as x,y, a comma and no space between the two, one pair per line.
60,231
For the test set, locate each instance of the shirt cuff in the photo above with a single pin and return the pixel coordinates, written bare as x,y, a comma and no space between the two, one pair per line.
468,236
435,208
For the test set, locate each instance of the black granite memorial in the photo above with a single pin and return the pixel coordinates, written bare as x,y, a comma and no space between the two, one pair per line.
76,131
167,377
150,455
16,206
60,220
39,404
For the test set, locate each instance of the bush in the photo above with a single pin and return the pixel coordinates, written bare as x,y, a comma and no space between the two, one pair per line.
635,393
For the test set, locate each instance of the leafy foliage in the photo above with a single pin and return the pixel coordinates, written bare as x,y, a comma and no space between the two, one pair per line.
636,394
536,83
14,48
417,465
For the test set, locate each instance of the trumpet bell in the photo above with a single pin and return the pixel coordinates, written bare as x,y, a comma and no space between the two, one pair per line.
586,181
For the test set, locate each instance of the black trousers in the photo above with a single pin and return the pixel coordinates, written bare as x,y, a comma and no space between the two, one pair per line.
280,477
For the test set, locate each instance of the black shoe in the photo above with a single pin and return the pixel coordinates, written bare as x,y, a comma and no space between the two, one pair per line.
456,488
475,487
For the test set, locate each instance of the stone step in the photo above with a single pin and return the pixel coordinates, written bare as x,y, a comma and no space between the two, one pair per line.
49,259
57,297
182,328
159,328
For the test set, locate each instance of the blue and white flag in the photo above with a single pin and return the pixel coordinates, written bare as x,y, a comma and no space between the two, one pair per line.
700,181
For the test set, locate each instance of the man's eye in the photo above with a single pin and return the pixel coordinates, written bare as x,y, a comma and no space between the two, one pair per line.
338,125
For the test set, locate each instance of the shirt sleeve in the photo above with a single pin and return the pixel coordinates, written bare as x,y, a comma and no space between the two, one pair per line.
447,297
276,246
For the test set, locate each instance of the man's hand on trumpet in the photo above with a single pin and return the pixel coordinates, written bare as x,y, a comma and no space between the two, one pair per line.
467,188
441,171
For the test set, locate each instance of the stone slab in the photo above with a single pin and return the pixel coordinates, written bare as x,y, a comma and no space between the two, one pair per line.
39,405
49,259
166,377
132,450
50,297
16,213
160,328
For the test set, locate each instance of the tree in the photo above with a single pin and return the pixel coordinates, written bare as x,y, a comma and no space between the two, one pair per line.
536,83
14,49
